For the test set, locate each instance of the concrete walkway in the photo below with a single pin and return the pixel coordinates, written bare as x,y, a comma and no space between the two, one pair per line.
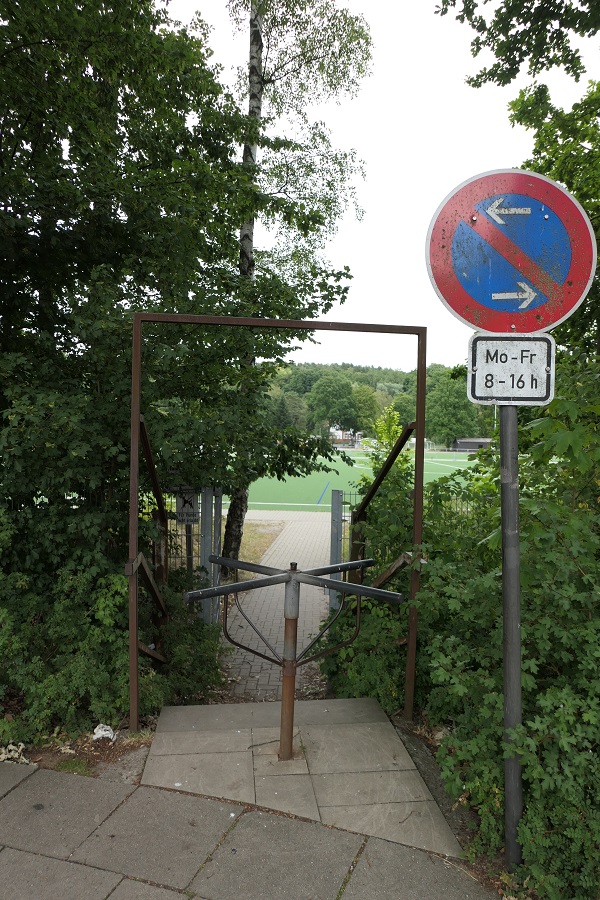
350,768
305,539
68,837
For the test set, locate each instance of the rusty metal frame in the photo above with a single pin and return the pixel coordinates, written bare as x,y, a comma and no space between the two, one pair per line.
139,319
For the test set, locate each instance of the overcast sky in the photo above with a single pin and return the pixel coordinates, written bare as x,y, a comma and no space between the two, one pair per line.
421,132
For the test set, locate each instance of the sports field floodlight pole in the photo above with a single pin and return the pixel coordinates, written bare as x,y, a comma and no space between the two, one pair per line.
131,568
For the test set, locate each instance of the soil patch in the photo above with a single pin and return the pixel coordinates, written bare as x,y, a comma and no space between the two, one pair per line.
125,756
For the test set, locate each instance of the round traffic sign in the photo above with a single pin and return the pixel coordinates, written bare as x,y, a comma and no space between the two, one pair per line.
511,251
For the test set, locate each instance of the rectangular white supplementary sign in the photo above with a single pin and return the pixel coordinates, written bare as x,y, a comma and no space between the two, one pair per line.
511,370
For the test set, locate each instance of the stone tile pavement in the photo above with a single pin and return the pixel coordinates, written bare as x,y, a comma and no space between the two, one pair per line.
349,768
305,539
67,837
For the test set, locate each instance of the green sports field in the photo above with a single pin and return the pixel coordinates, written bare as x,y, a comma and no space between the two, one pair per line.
313,492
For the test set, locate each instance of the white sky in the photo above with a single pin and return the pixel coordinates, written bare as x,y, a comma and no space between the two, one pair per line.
421,132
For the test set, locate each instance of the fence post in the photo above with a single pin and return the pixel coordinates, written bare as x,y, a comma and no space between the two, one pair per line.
357,546
189,547
335,553
206,538
216,543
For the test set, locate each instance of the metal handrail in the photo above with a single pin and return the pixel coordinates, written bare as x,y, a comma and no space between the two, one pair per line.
394,453
156,489
139,565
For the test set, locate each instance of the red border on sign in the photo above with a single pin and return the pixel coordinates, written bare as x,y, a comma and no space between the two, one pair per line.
460,206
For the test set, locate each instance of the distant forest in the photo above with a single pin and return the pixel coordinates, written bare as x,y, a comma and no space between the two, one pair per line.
342,395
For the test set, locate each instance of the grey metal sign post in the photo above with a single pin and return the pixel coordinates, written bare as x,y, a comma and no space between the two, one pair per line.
511,612
511,372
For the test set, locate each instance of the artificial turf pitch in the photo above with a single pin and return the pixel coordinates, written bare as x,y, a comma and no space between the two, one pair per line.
313,492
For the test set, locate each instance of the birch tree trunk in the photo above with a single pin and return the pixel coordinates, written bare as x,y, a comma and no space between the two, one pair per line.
300,54
238,505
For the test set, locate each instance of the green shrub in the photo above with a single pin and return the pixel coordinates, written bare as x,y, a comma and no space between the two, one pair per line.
372,666
66,654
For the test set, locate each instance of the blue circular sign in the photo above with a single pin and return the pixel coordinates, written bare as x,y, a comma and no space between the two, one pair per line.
511,251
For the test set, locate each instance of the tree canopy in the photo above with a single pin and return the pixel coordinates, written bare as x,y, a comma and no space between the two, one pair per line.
122,190
541,35
567,149
449,414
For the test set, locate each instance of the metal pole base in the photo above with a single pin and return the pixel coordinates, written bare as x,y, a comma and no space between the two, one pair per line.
288,690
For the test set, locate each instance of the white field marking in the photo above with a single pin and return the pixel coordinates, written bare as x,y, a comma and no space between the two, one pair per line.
264,503
449,466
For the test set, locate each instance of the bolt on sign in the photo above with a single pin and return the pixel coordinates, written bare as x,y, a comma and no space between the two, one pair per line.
186,507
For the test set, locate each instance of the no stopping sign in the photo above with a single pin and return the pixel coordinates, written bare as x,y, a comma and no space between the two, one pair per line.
511,252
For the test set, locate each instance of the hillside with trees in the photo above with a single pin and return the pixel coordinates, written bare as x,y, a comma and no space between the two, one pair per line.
351,398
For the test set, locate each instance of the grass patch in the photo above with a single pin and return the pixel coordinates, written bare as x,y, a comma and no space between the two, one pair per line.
75,766
258,537
313,492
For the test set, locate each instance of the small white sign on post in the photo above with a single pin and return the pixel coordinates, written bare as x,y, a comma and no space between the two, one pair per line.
186,507
511,370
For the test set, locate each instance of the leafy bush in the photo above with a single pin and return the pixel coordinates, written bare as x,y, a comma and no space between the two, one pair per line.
372,666
192,649
65,650
461,648
65,654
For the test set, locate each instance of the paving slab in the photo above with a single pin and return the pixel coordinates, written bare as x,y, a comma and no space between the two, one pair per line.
169,743
341,789
268,856
27,876
53,813
416,824
293,794
387,871
339,712
218,717
137,890
265,752
11,774
158,836
354,748
233,716
128,769
228,775
349,769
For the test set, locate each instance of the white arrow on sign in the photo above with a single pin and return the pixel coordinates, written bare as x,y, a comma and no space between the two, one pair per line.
495,211
527,294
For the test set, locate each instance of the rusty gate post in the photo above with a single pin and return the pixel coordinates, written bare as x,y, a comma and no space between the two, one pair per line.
417,538
291,612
